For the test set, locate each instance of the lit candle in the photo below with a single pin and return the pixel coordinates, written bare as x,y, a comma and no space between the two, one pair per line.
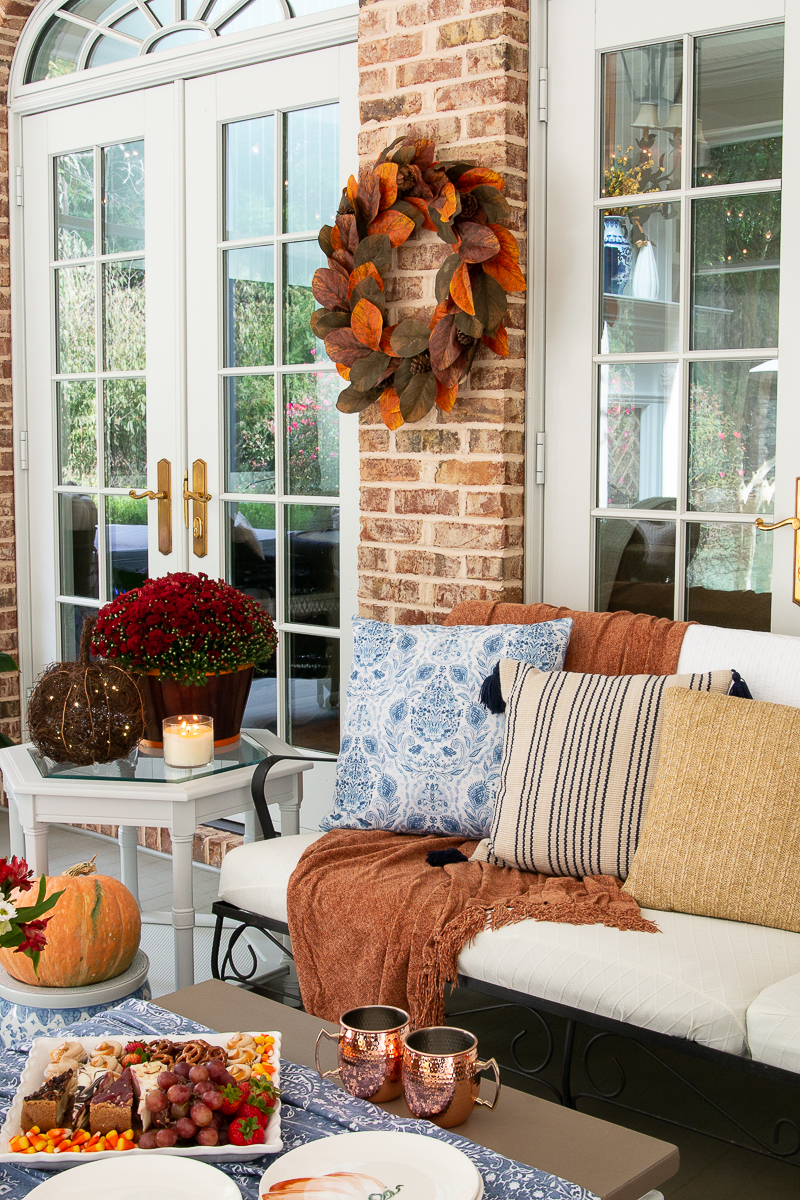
188,741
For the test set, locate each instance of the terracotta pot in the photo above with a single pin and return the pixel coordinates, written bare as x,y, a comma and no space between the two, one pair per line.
223,697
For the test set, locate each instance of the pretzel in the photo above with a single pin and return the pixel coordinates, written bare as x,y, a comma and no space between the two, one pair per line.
240,1072
163,1051
199,1051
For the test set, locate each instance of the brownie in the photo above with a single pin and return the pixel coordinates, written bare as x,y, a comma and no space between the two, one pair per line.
112,1105
46,1107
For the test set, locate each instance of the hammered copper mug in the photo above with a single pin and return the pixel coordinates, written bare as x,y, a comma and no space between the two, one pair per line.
440,1075
370,1051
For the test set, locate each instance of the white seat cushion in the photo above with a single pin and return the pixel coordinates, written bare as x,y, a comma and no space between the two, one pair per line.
696,979
769,662
256,876
773,1025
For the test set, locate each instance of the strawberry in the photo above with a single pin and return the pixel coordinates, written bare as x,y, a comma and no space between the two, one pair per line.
263,1086
135,1052
257,1106
233,1096
245,1131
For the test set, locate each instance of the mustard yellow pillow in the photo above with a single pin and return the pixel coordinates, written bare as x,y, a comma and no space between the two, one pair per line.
722,833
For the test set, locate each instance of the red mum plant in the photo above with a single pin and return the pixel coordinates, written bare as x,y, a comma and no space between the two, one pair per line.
411,366
21,928
185,626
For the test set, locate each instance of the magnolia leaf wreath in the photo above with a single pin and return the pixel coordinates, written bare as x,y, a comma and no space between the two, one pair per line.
411,366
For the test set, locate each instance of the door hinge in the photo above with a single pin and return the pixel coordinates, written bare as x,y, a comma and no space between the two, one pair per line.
19,187
540,458
542,93
23,450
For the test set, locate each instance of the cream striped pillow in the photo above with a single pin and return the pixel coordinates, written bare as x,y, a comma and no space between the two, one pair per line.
579,760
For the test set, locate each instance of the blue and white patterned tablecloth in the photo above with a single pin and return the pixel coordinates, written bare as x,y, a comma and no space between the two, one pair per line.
311,1108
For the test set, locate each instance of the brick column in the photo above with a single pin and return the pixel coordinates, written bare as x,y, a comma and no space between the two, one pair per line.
441,500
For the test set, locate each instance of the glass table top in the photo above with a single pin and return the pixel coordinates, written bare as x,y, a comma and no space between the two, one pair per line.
148,766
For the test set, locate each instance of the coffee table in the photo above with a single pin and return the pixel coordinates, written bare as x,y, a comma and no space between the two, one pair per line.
613,1162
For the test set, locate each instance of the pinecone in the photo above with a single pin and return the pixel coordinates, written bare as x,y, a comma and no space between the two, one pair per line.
469,205
421,363
405,180
464,339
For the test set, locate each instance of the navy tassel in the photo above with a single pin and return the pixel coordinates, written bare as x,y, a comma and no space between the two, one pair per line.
442,858
491,692
739,687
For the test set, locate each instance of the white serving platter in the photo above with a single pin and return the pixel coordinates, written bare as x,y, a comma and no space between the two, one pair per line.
33,1078
173,1179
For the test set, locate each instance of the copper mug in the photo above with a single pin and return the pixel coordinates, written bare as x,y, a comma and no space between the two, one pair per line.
440,1075
370,1052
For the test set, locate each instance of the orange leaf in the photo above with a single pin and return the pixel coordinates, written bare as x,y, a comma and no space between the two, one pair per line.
367,324
508,243
367,270
506,272
386,338
461,289
390,409
422,205
396,225
446,396
387,178
343,371
449,207
479,175
441,311
498,342
352,191
336,238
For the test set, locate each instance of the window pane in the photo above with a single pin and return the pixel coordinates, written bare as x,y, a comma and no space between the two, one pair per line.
739,106
255,14
126,544
642,115
135,23
75,205
110,50
313,691
57,51
123,197
77,425
180,37
250,178
301,260
639,435
312,433
732,410
250,307
250,420
123,316
312,550
72,618
640,279
311,162
125,432
262,703
736,259
78,542
729,575
635,566
250,551
76,333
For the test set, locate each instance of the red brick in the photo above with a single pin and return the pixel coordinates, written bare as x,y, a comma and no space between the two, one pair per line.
494,504
421,256
439,9
494,568
426,500
500,56
373,440
403,287
386,110
373,612
407,45
482,29
472,471
427,441
425,562
428,71
375,499
410,616
497,122
389,469
386,529
477,93
409,15
372,558
470,537
372,20
372,82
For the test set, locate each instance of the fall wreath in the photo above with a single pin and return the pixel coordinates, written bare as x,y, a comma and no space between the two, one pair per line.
411,366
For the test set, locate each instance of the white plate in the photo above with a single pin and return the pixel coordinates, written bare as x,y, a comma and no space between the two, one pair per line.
425,1168
134,1178
33,1077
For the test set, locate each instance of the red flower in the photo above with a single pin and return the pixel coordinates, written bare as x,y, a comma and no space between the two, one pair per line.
15,874
34,936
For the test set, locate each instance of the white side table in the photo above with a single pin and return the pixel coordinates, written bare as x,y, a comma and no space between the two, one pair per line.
98,796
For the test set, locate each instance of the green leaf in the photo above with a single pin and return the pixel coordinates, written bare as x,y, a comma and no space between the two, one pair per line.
351,400
365,373
376,249
471,326
323,322
41,906
368,289
419,397
402,376
493,203
409,210
5,740
324,239
444,230
444,275
410,338
455,169
7,663
489,300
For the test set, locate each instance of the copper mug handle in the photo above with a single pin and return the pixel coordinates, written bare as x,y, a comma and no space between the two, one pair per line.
333,1037
484,1066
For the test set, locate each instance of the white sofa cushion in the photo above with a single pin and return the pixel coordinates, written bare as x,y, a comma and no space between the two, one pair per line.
696,979
256,876
773,1025
769,662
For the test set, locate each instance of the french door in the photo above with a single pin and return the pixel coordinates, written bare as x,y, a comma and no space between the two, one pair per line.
672,424
169,244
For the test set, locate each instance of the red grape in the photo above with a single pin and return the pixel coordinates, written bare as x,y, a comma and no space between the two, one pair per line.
201,1114
207,1137
216,1070
166,1137
213,1099
202,1086
167,1078
148,1140
182,1069
156,1101
178,1110
198,1074
223,1137
186,1128
225,1079
179,1093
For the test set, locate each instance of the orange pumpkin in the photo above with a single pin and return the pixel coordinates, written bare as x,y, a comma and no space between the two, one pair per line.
93,935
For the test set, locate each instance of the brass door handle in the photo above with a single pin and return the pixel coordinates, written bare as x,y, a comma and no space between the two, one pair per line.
793,521
199,498
795,524
164,498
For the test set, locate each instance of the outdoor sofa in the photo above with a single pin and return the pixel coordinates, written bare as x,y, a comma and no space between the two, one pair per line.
719,990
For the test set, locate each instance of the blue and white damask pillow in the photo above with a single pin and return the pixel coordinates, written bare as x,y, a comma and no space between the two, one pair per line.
420,754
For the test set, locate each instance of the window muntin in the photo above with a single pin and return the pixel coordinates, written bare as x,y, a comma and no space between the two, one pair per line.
688,358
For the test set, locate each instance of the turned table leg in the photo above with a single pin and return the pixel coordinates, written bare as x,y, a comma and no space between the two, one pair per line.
183,907
128,858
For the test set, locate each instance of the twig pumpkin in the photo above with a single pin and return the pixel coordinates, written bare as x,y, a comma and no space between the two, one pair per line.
411,366
85,711
92,933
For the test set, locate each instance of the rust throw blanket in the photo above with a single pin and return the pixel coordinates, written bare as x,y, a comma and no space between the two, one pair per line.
372,923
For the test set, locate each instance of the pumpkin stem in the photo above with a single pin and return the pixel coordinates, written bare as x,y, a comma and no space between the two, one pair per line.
84,868
84,652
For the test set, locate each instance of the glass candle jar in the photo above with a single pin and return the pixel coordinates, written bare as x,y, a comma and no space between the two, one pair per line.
188,740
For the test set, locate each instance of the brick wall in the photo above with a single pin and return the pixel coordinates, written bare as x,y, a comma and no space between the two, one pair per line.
441,500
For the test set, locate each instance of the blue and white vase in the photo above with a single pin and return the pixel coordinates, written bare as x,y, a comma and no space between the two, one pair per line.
617,256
